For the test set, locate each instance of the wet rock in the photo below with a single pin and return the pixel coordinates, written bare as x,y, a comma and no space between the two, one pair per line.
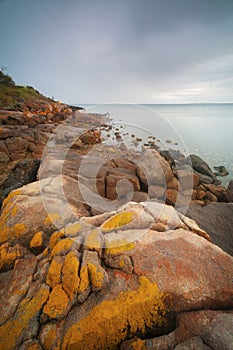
221,171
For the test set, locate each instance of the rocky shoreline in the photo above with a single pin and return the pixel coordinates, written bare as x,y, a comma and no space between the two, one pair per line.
98,246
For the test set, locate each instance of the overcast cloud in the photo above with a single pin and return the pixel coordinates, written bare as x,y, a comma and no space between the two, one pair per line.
159,51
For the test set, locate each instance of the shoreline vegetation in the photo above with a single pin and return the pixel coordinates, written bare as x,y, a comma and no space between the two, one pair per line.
103,246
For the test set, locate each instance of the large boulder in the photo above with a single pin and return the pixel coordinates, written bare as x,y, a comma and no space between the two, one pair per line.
40,206
217,220
104,279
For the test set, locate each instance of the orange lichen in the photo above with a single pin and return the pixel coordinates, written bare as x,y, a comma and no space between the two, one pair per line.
63,245
108,323
55,237
70,279
117,221
54,273
8,256
37,240
34,346
57,305
10,332
138,344
118,246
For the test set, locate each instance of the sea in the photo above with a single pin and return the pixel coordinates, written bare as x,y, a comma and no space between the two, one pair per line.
202,129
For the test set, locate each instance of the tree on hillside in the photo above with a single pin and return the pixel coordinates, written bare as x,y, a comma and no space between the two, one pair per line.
5,78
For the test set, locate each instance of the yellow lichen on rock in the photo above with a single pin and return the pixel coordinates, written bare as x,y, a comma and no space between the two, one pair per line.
8,255
96,277
10,196
11,233
51,218
63,245
73,229
57,305
92,240
55,237
118,246
70,279
8,231
54,273
108,324
37,240
28,309
118,220
50,336
84,279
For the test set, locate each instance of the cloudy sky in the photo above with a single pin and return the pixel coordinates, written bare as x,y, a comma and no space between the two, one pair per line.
101,51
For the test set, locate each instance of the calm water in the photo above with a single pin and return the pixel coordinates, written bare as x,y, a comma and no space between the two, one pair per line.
202,129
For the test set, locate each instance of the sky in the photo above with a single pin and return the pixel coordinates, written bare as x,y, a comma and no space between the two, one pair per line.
128,51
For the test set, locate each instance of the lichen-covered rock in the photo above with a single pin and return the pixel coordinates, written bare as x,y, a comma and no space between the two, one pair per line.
8,255
112,321
57,305
39,206
128,217
14,286
70,277
102,281
24,323
92,275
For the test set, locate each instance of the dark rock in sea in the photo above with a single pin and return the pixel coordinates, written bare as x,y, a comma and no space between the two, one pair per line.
221,171
217,220
172,155
202,168
230,191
